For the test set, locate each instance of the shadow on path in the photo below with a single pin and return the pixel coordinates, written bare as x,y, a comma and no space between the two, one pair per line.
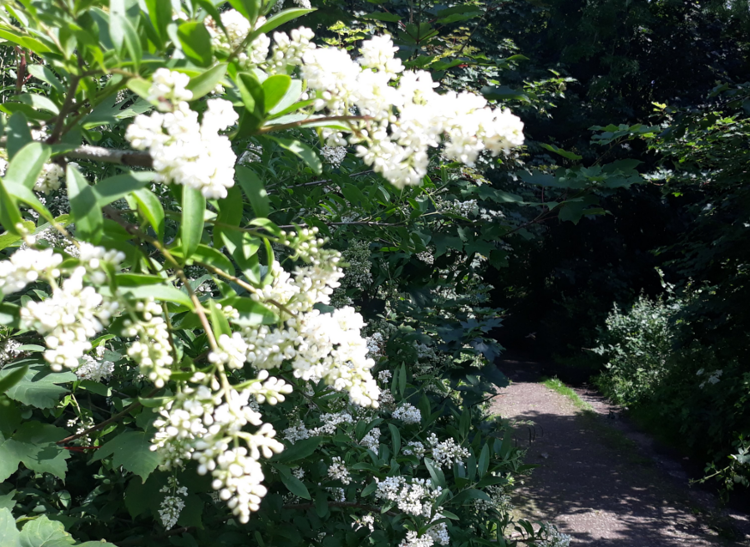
592,481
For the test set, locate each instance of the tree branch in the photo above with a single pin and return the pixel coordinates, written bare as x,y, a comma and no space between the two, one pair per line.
132,158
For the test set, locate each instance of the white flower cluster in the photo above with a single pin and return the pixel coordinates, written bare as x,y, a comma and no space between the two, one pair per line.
269,390
499,501
447,452
331,423
338,471
384,376
27,266
185,151
296,433
237,30
371,441
207,427
152,350
9,351
408,414
397,145
439,532
96,371
68,319
232,351
367,521
413,539
320,346
416,498
554,538
172,504
333,154
414,448
456,207
49,180
713,377
289,50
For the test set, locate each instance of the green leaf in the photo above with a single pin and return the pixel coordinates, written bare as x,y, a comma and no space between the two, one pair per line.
10,216
251,313
151,209
213,257
484,460
378,16
160,13
291,97
124,34
254,190
19,134
396,438
274,89
219,321
162,292
131,450
470,494
9,535
9,314
251,92
191,230
83,204
281,18
293,484
39,385
435,473
113,188
33,444
27,164
43,532
206,82
248,8
13,378
299,450
369,489
302,151
26,196
196,42
564,153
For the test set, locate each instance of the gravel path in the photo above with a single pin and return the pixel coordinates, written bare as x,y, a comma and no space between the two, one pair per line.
598,479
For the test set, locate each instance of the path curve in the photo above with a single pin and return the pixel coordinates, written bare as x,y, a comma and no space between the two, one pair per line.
597,480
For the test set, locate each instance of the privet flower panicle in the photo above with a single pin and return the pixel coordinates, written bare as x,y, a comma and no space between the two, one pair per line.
414,498
371,441
320,346
338,471
152,350
207,427
96,371
68,319
27,266
172,504
408,414
185,151
413,539
447,452
404,121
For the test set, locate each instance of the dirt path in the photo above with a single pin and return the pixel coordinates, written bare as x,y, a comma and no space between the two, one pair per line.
598,479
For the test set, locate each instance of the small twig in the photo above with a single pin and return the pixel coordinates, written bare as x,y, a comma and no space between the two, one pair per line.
106,422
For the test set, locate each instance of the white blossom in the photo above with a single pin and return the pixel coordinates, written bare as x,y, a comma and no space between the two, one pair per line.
408,414
446,453
96,371
338,471
185,151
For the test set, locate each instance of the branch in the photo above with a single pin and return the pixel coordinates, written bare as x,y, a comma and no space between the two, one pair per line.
132,158
106,422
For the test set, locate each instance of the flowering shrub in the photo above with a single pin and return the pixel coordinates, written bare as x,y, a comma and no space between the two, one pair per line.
196,330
